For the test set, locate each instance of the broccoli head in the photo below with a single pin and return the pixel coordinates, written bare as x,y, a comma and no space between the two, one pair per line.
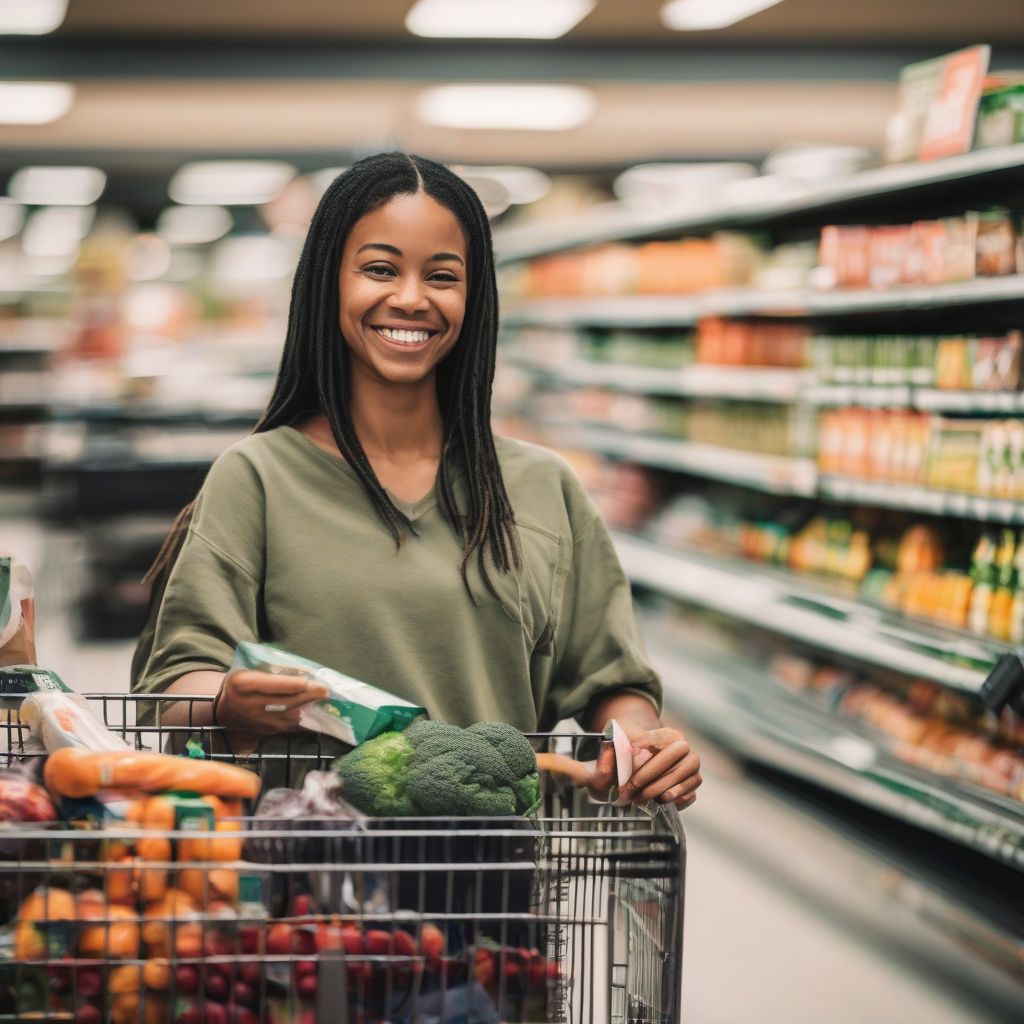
376,775
434,768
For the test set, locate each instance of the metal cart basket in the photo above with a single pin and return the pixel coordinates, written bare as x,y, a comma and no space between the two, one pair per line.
574,915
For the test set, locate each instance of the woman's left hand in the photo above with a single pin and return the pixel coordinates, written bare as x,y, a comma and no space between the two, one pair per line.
664,768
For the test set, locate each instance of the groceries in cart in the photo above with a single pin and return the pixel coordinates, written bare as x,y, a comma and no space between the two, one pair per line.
17,613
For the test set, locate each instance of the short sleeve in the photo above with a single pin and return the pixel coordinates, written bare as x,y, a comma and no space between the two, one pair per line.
214,592
598,646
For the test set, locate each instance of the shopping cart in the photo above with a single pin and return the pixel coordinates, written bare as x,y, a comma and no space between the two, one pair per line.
573,916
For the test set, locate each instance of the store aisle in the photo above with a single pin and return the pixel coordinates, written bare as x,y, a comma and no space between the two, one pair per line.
757,948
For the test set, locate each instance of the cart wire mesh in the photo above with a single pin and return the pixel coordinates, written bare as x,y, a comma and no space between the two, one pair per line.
573,916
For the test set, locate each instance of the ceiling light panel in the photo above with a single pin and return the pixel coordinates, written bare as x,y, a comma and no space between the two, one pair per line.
34,102
506,107
193,225
496,19
229,182
523,184
12,216
57,230
701,15
31,17
57,186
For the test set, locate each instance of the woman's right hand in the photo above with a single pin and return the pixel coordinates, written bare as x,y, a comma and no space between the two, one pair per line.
255,705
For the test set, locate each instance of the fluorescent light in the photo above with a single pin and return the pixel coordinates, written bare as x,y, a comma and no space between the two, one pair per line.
695,15
248,263
658,183
321,180
550,108
523,184
193,225
56,230
34,102
229,182
489,19
57,186
12,216
31,17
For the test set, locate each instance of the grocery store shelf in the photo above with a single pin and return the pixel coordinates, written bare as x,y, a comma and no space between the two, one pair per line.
684,310
904,396
791,608
620,222
941,400
777,474
732,700
752,383
606,311
914,498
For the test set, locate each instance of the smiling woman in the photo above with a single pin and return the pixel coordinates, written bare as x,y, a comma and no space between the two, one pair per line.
374,524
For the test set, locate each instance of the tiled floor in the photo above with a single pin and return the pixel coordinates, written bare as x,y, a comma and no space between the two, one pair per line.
756,949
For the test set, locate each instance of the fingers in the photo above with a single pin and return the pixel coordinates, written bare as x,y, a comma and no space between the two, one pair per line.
266,704
250,683
663,761
605,774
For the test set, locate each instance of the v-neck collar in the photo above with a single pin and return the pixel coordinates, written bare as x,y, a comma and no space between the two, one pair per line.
412,510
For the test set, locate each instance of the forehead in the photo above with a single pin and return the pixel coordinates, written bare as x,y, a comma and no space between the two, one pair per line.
413,223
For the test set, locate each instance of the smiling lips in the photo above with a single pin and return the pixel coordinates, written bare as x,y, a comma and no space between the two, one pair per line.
405,335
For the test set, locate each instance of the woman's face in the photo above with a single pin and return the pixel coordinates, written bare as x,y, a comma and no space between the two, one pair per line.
402,289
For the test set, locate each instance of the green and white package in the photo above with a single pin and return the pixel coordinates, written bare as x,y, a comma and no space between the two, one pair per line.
353,711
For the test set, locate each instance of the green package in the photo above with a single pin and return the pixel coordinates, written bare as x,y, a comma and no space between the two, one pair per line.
353,711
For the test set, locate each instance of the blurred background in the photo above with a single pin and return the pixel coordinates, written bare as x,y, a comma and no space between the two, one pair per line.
762,280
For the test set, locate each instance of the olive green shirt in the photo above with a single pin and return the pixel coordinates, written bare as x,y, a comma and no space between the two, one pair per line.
285,547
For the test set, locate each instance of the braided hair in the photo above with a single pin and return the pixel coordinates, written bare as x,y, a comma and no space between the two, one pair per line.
313,377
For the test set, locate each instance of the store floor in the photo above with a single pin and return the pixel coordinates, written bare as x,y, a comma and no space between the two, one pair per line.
757,947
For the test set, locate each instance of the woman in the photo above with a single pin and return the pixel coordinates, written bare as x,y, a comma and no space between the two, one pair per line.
372,522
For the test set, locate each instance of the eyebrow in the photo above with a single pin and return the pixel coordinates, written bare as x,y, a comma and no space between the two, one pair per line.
438,256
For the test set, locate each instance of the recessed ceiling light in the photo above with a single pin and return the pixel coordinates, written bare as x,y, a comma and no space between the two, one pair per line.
321,180
57,186
505,19
56,230
229,182
698,15
193,225
31,17
657,183
12,216
34,102
523,184
550,108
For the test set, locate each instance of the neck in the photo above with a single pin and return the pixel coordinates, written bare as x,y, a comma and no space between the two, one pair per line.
401,422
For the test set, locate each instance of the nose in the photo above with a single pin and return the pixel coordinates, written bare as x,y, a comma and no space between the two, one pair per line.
409,295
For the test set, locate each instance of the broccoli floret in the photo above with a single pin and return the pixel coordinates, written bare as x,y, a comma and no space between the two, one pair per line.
376,775
513,746
449,785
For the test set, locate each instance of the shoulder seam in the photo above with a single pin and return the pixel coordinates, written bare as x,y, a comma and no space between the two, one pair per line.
223,554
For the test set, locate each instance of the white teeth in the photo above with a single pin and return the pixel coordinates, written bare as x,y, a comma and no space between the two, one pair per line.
404,337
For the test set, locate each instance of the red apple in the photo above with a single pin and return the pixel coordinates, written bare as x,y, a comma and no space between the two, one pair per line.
279,940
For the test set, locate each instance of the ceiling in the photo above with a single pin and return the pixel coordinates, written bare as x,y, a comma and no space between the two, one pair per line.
320,81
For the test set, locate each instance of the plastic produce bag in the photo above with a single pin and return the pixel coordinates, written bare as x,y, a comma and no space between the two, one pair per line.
59,718
353,712
17,614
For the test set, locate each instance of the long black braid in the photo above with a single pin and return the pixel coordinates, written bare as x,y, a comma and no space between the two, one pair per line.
313,375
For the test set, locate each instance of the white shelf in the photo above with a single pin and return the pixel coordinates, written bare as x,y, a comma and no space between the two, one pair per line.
685,310
767,602
735,703
904,396
606,311
940,400
754,383
619,222
777,474
915,498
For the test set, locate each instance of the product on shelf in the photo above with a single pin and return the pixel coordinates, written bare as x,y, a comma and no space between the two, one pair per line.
956,363
649,268
722,342
923,253
1001,112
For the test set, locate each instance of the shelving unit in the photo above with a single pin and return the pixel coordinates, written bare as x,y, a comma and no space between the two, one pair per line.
729,697
920,181
794,608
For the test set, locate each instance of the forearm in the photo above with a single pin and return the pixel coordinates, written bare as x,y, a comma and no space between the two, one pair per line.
198,713
633,712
